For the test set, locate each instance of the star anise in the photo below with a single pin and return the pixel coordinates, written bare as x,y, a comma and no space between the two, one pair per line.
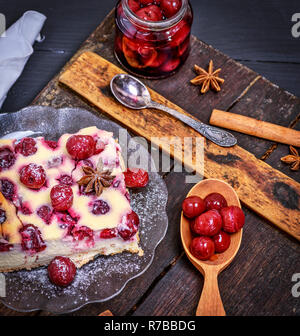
293,160
96,179
208,78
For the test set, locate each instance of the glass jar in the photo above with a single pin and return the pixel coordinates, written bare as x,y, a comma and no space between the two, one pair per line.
152,49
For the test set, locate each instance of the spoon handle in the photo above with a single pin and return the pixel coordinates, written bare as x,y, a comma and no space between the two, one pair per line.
214,134
210,303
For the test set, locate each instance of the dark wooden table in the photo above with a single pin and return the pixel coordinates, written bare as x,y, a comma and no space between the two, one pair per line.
256,34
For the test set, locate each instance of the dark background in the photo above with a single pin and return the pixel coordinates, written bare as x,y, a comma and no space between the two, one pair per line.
254,32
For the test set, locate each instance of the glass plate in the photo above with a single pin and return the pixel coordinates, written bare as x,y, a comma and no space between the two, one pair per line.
106,276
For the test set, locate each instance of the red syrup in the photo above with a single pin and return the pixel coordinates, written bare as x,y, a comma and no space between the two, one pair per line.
148,42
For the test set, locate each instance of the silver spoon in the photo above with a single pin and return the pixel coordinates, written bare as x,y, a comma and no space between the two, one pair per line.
132,93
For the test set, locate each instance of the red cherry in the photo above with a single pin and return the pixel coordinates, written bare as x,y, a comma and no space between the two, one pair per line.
100,207
180,33
145,36
7,158
193,206
33,176
171,65
170,7
65,179
192,223
7,188
136,178
233,218
222,241
66,221
130,49
146,2
61,197
134,5
26,147
215,201
80,146
183,48
202,248
208,224
148,55
150,13
31,239
130,228
81,232
51,144
108,233
45,213
160,59
61,271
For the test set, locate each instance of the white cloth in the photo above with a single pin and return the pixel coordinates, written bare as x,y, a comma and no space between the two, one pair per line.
16,48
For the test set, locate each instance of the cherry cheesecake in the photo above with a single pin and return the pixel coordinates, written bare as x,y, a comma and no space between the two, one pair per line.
66,198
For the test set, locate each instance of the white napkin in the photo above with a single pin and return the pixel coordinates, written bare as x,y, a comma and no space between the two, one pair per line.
16,48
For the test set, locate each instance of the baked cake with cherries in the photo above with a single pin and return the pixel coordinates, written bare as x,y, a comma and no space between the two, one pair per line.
65,198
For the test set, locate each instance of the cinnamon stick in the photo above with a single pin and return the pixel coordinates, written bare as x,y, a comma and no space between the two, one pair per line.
258,128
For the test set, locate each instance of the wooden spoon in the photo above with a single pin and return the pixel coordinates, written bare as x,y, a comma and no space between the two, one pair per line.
210,303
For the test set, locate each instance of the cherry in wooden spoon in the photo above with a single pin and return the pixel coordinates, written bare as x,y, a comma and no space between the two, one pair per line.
210,303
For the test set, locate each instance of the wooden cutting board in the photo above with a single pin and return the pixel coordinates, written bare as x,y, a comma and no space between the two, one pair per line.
265,190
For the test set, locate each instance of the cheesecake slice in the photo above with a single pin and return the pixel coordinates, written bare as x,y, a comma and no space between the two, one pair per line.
64,198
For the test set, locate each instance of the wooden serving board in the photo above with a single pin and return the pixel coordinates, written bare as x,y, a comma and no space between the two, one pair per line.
258,282
260,187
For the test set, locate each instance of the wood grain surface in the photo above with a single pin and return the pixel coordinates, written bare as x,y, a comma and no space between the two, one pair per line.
90,75
258,282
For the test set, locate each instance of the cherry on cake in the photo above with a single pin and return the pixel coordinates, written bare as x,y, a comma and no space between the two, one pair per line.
66,198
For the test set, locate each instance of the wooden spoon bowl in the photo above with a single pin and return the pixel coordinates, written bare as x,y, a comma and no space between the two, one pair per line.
210,303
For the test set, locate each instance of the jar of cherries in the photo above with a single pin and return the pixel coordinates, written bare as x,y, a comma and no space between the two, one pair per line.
153,36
